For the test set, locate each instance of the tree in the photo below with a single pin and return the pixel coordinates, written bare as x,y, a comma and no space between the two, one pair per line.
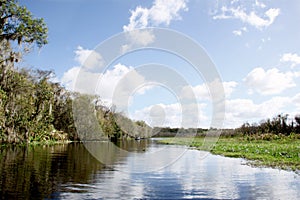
297,119
18,24
25,99
17,27
62,111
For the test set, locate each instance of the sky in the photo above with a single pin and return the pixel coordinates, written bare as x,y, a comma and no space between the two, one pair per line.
253,44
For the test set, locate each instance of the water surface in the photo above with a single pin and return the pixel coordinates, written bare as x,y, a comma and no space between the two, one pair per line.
137,170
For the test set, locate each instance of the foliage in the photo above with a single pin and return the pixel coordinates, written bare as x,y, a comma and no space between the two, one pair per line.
26,108
18,24
95,121
62,111
278,125
29,104
117,125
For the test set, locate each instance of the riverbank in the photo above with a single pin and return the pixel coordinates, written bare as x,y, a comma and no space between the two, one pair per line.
281,152
38,143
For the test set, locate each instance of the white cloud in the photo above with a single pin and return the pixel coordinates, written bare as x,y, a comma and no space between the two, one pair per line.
202,91
139,19
119,84
296,100
68,79
138,37
173,115
253,18
237,32
294,59
272,14
160,115
269,82
115,85
239,111
89,59
79,79
161,12
247,109
229,87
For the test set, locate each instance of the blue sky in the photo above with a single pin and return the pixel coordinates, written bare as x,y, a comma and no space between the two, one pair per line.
254,45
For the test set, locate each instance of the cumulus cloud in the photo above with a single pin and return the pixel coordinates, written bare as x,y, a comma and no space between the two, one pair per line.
254,17
162,12
239,111
202,91
120,84
229,87
247,109
269,82
120,79
296,100
173,115
251,18
292,58
68,79
138,38
89,59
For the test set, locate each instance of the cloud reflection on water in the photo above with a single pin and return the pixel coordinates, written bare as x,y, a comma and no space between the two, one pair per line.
191,176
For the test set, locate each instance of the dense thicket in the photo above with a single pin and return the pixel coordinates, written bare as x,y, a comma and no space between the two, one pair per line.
26,100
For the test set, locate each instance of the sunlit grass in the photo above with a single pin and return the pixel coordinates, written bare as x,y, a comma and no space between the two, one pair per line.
281,153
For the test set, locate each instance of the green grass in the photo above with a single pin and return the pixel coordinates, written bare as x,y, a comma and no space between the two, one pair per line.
281,153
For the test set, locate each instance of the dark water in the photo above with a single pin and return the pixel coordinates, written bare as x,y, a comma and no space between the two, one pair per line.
136,170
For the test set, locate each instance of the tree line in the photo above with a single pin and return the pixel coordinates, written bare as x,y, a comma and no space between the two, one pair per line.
277,125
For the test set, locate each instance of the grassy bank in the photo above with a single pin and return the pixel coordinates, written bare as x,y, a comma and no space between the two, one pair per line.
279,152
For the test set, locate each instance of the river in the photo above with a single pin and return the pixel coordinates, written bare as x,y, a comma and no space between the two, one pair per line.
136,170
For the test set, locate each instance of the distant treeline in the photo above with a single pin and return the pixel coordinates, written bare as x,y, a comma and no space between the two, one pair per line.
172,132
278,125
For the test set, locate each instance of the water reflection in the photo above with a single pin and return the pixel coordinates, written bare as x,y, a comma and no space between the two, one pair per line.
35,172
71,172
110,153
126,156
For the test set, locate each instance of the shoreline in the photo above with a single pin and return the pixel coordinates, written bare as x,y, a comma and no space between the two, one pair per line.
281,153
34,143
